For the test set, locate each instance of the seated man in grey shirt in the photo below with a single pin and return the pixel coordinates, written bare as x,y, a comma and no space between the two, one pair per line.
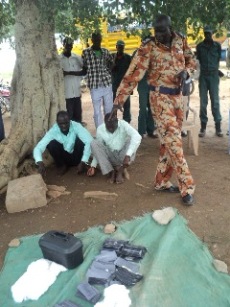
68,142
114,148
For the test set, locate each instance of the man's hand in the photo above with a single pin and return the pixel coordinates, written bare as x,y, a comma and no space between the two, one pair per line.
114,111
80,167
91,171
41,168
65,73
74,73
126,161
183,75
220,74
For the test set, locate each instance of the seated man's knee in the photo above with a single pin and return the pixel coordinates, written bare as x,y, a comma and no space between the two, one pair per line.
54,146
95,144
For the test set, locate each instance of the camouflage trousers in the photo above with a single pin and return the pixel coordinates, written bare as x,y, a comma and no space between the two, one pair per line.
168,114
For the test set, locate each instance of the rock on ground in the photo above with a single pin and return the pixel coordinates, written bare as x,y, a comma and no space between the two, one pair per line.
26,193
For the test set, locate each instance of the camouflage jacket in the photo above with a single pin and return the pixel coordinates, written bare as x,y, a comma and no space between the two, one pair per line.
161,62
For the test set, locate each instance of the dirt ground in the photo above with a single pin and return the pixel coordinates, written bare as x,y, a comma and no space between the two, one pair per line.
208,218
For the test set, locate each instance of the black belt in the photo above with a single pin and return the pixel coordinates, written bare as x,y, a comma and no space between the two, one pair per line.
165,90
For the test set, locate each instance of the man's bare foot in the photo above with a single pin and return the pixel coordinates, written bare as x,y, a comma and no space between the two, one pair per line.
119,176
112,178
119,179
61,170
126,174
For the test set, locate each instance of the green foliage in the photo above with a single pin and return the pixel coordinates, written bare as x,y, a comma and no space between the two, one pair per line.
199,13
66,24
88,14
77,18
7,12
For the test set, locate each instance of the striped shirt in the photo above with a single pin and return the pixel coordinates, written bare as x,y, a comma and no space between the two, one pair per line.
98,67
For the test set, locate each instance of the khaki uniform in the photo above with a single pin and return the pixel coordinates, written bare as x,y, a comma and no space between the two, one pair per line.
163,64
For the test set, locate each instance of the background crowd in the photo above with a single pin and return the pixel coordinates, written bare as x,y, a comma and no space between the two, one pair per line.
159,69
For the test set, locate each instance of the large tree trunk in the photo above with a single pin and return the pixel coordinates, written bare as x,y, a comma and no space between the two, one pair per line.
37,87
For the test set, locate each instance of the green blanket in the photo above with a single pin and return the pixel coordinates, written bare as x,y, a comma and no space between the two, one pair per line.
177,269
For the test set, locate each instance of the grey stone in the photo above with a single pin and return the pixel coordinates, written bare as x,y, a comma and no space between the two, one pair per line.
100,195
53,187
220,266
26,193
109,228
14,243
164,216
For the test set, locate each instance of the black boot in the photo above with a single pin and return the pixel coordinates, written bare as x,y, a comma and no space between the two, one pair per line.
202,130
218,129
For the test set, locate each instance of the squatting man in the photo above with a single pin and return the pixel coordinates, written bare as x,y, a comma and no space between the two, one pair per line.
114,148
68,142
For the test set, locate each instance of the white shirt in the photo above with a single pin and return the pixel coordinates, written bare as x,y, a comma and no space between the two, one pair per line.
117,140
72,83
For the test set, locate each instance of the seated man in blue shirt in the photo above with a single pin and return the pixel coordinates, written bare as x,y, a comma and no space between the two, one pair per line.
68,142
114,148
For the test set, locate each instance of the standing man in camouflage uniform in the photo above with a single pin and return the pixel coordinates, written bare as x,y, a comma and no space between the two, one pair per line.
167,59
209,54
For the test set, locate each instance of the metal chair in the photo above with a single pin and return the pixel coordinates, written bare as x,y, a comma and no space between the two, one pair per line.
190,125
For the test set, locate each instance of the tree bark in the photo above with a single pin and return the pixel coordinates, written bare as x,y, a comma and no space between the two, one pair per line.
37,90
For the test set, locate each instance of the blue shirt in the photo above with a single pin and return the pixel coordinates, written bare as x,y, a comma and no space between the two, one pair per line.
117,139
68,141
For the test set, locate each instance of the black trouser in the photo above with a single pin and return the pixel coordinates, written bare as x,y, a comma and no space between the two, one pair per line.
209,83
74,109
2,132
62,157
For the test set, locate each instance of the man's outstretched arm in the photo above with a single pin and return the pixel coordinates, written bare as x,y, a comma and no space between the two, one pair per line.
134,74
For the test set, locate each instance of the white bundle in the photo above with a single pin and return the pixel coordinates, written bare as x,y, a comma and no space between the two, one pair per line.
40,275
